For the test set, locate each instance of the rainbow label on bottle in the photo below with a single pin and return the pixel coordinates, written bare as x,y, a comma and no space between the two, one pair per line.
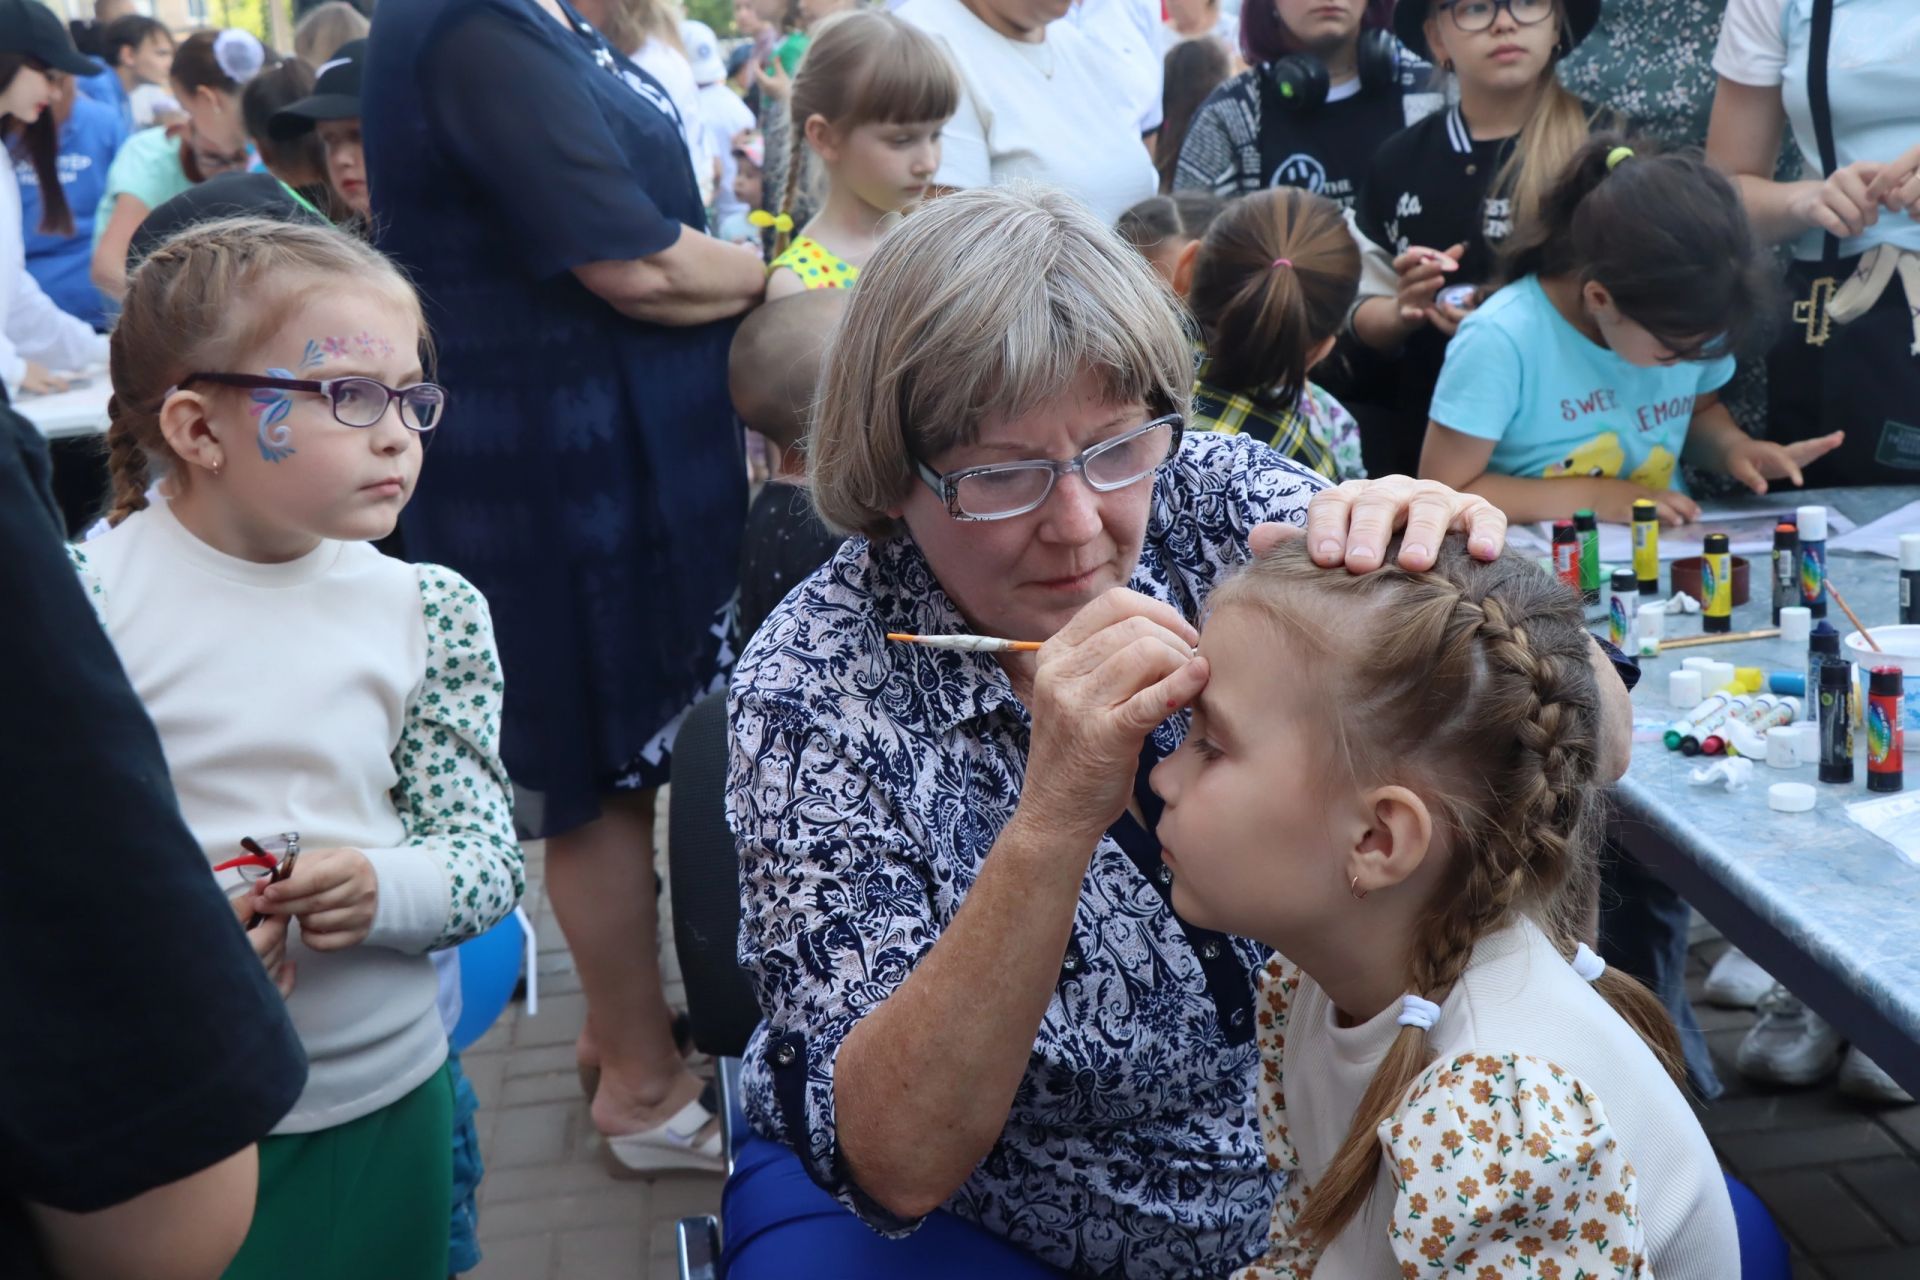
1879,733
1617,622
1813,575
1709,581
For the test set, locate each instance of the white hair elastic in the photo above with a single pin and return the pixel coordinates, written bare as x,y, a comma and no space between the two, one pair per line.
1587,965
1415,1012
239,53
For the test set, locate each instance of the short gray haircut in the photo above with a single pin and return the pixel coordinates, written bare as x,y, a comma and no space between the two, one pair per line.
986,303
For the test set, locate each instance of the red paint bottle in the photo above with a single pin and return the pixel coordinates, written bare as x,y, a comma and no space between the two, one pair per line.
1566,554
1886,756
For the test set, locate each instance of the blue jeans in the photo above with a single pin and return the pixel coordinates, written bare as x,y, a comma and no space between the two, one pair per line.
780,1226
1643,931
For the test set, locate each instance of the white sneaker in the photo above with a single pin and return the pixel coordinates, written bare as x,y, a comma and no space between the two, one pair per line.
1790,1044
1862,1078
1736,982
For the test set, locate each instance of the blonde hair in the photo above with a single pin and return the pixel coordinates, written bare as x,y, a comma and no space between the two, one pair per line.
203,301
985,303
863,67
1476,685
631,22
326,28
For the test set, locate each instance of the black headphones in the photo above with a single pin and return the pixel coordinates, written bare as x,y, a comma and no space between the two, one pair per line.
1301,79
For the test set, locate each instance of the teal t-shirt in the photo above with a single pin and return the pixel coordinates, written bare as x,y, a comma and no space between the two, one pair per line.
147,168
1559,404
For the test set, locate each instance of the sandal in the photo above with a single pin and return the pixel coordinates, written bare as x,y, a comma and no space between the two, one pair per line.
688,1142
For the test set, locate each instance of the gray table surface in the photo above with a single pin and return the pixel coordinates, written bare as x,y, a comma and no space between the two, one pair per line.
1827,908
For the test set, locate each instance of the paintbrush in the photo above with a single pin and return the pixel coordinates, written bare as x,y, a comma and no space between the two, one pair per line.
1851,617
967,644
1764,633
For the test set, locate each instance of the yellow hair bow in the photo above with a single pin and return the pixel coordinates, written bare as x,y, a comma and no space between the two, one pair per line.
783,223
1615,156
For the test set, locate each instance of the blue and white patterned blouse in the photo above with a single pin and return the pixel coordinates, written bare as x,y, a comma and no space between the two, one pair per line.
868,782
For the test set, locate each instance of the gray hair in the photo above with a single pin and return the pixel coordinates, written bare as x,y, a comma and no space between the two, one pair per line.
986,303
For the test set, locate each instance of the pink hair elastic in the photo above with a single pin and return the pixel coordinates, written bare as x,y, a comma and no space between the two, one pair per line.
1283,262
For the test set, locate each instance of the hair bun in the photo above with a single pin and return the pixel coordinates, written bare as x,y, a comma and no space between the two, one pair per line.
239,53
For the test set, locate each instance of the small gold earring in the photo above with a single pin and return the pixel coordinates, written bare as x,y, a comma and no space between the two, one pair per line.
1359,894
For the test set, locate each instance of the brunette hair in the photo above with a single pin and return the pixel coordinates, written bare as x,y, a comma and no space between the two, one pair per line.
865,67
129,32
1665,234
1476,686
1264,38
40,143
1275,276
1194,69
204,300
197,66
273,89
1181,215
326,27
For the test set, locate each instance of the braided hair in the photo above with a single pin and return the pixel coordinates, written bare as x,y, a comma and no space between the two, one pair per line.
1476,686
204,300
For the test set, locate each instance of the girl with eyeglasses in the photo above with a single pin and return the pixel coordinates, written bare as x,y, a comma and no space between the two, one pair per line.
1439,198
269,375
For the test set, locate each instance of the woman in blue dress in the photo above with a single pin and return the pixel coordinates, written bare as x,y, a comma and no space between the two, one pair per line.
535,185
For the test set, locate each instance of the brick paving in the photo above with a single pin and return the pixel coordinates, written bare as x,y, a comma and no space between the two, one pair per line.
1842,1179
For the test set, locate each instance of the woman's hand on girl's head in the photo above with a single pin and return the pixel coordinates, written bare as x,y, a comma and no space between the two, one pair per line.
269,939
1122,665
332,892
1351,524
1754,462
1897,186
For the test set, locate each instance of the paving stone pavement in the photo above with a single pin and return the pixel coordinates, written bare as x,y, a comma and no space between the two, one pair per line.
1842,1179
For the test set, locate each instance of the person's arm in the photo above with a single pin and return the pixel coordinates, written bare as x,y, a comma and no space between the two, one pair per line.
109,269
186,1230
1459,461
1715,442
41,333
782,282
692,281
1207,160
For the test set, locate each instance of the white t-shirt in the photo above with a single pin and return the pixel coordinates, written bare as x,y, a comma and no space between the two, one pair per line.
670,67
31,326
1042,111
1873,87
1127,35
722,116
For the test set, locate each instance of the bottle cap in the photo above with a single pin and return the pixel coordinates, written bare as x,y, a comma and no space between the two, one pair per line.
1791,684
1750,679
1719,676
1785,535
1812,522
1683,690
1884,682
1796,624
1823,638
1790,797
1625,583
1651,619
1583,520
1910,551
1836,675
1563,531
1717,544
1643,509
1781,747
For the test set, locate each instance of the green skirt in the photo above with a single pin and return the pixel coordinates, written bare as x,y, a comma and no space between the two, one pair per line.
363,1199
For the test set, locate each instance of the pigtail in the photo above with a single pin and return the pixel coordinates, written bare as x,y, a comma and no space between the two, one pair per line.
1544,243
796,157
126,463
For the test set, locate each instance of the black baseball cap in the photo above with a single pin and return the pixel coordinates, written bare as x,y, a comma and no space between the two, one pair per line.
1410,22
30,28
228,195
336,95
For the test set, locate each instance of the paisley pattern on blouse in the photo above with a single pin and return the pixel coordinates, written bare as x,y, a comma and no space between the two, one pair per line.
867,784
1504,1167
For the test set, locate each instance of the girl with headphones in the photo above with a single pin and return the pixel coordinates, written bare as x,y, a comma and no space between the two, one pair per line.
1327,83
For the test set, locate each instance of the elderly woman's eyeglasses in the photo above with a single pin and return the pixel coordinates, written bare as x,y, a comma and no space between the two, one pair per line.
1001,490
357,402
1478,15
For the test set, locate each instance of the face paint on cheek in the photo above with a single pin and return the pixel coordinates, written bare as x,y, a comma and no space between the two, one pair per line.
271,405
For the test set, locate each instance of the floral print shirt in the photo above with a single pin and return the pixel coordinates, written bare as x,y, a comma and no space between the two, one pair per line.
867,784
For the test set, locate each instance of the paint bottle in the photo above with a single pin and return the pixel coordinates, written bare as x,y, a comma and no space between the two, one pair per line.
1812,522
1646,546
1623,603
1910,577
1766,711
1715,705
1823,645
1886,757
1786,568
1693,741
1566,554
1588,528
1716,585
1836,722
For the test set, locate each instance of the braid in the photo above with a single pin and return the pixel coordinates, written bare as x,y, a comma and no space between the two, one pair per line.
796,156
126,464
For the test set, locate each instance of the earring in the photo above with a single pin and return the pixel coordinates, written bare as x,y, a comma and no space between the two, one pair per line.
216,469
1446,65
1359,894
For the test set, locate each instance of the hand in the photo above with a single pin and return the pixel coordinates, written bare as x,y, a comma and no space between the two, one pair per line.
775,82
1754,462
332,892
1840,206
1422,272
269,939
1897,188
1612,500
38,381
1352,523
1615,751
1104,681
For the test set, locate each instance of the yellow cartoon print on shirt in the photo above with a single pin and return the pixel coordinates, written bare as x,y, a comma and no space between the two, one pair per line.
1600,456
1656,472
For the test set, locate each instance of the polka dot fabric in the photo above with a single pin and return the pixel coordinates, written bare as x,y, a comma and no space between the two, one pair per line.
817,268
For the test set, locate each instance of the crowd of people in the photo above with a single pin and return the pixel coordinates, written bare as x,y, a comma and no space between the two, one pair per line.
1247,927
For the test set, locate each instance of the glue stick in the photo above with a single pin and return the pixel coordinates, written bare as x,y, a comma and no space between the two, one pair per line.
1622,601
1812,522
1716,585
1646,546
1588,528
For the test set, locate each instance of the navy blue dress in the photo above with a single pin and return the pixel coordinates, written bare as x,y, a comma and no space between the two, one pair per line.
589,478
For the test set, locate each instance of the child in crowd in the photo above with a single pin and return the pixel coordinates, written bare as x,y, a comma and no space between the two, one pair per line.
772,369
1161,227
1439,198
1589,378
1392,780
294,158
1190,73
723,116
870,100
749,189
1270,286
269,373
331,113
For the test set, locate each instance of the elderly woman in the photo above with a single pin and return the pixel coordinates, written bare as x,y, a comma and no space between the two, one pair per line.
983,1019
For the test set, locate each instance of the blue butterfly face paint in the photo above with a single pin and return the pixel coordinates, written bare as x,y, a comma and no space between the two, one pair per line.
271,405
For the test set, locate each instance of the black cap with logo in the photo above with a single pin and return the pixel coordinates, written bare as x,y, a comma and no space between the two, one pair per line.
336,94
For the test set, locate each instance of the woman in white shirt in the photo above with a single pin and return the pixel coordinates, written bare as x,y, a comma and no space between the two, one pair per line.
1037,101
35,335
1843,75
648,31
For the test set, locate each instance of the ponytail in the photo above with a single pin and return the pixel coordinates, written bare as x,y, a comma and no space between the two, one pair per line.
1554,131
1664,234
1275,277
